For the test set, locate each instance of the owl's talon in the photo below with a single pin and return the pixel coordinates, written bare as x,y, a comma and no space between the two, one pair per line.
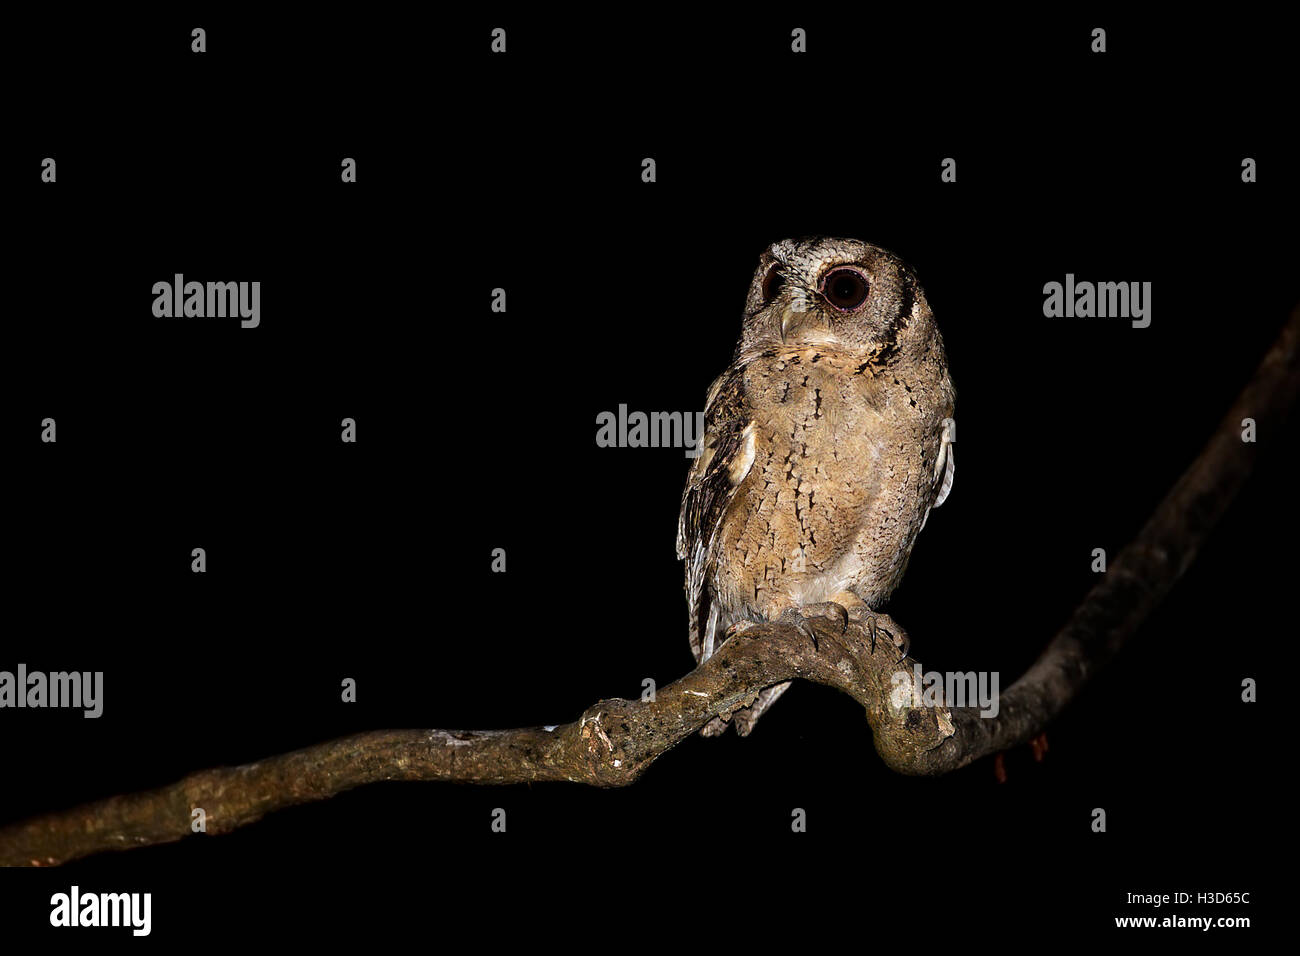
867,619
798,619
905,643
860,614
871,631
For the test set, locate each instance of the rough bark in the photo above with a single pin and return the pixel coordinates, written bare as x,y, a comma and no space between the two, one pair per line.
615,740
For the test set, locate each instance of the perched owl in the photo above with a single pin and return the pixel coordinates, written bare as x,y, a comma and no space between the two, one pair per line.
826,443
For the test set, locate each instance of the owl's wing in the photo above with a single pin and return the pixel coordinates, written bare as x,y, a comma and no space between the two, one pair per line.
726,455
945,468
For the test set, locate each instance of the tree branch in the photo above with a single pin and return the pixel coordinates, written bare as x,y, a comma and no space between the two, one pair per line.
615,740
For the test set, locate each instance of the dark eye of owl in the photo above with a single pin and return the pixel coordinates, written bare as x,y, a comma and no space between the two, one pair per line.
772,282
846,289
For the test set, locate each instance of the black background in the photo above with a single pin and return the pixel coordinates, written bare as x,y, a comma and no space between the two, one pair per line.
476,431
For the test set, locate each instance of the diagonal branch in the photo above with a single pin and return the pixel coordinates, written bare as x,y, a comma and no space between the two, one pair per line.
616,740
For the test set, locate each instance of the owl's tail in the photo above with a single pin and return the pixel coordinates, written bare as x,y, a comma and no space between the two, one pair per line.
745,718
704,644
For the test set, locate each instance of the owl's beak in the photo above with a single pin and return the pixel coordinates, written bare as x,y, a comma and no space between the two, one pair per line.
789,319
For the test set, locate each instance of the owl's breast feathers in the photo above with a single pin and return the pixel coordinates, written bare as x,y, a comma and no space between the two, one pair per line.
816,473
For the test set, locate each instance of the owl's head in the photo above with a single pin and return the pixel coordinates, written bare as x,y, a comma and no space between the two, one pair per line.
838,293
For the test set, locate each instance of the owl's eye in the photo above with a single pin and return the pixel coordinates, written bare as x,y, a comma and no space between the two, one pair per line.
846,289
773,282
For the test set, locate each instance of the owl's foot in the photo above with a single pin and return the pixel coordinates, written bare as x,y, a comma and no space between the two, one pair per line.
900,641
846,609
798,618
860,613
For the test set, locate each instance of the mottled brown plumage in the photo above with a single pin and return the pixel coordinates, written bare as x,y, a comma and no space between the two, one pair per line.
827,442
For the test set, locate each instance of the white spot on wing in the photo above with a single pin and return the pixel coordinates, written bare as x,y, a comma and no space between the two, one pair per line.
740,465
945,467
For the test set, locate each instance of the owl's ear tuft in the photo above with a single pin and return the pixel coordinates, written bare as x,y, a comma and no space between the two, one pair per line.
907,295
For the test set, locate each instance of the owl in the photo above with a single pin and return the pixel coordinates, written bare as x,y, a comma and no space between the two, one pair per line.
826,444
